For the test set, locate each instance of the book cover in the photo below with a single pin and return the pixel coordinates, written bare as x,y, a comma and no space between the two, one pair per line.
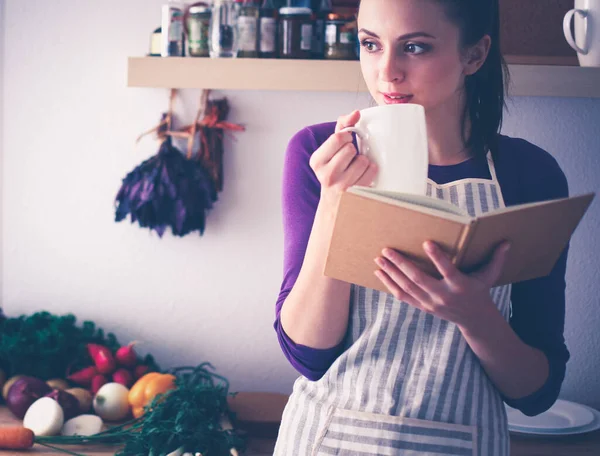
367,221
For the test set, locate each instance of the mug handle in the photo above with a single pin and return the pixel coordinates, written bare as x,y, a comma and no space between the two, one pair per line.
567,29
361,134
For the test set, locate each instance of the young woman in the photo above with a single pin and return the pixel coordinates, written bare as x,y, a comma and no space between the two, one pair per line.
425,368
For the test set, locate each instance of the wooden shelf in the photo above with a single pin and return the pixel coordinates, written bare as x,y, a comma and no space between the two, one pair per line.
553,79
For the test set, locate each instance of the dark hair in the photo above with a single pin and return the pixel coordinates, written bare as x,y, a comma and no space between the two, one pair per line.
484,90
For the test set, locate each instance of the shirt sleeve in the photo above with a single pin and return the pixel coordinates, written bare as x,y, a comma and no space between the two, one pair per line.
538,306
300,198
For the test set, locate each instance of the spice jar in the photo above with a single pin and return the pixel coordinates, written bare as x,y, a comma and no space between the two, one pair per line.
223,39
197,24
340,38
247,23
295,33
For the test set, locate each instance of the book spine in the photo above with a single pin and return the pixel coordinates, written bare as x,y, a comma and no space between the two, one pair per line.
463,241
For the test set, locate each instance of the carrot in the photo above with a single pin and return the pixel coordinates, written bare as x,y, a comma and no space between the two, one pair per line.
16,438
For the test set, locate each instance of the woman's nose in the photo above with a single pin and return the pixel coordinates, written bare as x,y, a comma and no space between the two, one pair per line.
391,68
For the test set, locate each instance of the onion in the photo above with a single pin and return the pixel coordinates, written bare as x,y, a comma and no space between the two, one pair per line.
111,403
67,401
82,425
44,417
24,392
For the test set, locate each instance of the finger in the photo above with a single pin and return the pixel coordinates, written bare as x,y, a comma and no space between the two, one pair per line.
442,262
347,121
340,163
395,290
329,149
402,281
415,274
355,171
369,175
490,273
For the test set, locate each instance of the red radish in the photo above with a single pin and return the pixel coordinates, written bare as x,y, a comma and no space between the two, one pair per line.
126,355
103,358
123,376
140,371
84,376
97,383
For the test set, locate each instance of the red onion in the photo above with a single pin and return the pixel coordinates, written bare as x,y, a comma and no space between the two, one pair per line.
24,392
67,401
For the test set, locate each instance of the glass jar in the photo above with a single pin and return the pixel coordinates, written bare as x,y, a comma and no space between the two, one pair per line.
197,25
267,36
295,33
248,22
223,40
340,38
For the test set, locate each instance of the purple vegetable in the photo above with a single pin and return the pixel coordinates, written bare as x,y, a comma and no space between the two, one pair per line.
67,401
24,392
167,190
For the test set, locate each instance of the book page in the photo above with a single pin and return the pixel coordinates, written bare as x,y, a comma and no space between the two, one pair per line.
416,200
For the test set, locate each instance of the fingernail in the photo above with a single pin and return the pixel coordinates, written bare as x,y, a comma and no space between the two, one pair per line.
429,246
380,262
386,252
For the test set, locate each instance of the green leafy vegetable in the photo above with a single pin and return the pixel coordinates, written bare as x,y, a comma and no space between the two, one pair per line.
45,346
189,416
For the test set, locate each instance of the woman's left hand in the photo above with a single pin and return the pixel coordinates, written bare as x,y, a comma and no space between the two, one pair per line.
456,297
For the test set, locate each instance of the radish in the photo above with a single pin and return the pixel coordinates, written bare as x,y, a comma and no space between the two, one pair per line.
123,376
97,383
126,355
44,417
140,370
103,358
82,425
84,376
111,402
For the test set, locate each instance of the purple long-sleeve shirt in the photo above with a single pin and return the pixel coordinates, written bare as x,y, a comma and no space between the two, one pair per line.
525,173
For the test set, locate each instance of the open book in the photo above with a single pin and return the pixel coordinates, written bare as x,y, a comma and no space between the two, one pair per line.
369,220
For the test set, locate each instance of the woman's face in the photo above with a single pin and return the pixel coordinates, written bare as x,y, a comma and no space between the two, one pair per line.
410,53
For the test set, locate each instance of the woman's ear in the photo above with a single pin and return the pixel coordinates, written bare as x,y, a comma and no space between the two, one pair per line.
475,56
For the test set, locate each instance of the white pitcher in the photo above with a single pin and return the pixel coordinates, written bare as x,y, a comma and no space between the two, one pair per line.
587,31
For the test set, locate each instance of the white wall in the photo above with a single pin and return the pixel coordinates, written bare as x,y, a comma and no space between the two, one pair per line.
2,28
70,124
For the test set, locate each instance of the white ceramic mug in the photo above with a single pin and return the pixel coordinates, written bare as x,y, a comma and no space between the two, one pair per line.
587,31
395,138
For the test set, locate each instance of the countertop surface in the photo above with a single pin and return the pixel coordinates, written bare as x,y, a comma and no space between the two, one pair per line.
521,445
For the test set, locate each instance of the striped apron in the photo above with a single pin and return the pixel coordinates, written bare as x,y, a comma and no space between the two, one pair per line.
407,383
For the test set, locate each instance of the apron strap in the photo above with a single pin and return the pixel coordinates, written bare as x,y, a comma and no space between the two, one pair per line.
492,169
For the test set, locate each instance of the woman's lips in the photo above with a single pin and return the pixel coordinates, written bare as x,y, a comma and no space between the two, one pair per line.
396,98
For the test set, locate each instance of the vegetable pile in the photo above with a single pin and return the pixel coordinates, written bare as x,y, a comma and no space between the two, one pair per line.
47,346
184,410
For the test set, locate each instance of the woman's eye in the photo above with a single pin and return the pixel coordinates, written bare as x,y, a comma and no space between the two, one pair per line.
369,46
414,48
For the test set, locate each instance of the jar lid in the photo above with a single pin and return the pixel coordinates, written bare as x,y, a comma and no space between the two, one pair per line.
294,11
199,9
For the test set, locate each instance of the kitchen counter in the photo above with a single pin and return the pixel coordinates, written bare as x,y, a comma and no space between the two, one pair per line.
521,445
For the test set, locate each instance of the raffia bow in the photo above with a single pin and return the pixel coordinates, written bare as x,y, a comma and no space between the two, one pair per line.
210,130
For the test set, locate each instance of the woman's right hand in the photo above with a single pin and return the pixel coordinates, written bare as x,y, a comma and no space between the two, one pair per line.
338,165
